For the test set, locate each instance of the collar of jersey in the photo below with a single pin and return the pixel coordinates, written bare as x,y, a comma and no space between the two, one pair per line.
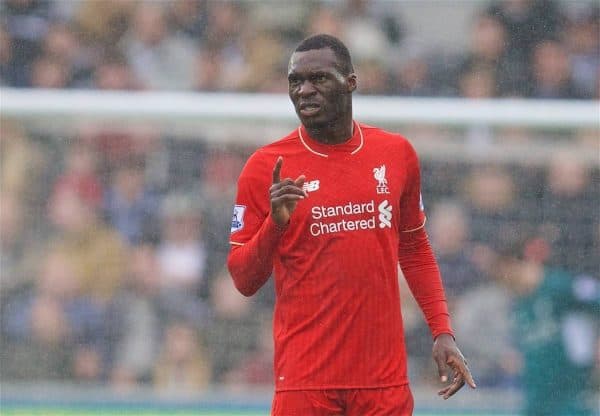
352,145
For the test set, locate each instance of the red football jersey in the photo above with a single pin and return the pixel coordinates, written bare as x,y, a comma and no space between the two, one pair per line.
337,320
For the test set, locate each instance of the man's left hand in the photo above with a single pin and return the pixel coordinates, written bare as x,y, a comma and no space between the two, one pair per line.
447,356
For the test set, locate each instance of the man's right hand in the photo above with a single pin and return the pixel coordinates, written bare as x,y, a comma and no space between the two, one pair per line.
285,195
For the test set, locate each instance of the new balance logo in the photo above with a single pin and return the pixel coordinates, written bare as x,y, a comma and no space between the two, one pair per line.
311,186
385,214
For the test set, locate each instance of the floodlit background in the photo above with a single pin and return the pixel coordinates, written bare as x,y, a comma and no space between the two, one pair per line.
124,127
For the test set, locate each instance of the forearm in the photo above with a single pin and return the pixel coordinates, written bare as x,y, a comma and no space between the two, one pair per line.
251,264
423,277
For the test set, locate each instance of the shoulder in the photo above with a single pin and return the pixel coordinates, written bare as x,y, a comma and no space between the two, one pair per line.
390,140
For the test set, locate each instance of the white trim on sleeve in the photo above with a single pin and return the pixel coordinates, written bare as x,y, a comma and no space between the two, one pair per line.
418,228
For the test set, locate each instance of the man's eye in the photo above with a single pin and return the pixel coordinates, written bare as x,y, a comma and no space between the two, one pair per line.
320,78
294,82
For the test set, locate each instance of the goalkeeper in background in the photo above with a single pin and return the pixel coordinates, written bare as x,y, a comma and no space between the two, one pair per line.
554,316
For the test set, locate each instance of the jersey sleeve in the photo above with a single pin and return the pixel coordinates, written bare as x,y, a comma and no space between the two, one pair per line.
422,274
254,234
415,255
412,215
252,201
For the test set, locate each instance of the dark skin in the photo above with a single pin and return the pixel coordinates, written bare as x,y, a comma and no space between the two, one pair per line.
322,96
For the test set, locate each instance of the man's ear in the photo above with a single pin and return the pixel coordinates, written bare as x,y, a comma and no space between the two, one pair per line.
352,82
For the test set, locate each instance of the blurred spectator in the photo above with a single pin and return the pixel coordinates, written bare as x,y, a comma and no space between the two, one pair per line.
60,42
10,73
80,174
130,206
449,231
63,45
113,73
22,162
138,315
383,15
215,46
188,18
220,63
135,321
26,22
373,77
371,29
182,253
265,63
492,210
102,23
527,23
13,253
182,365
489,59
582,39
209,74
114,145
219,175
159,59
325,19
226,26
96,250
477,83
572,235
256,368
448,175
50,72
484,313
55,330
552,72
235,329
596,92
184,162
544,298
411,75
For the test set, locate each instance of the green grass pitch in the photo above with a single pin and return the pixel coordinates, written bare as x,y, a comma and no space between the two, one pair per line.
128,412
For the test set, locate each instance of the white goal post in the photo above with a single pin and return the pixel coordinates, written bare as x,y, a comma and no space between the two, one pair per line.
257,118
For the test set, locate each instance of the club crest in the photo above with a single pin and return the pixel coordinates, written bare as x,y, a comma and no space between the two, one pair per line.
379,175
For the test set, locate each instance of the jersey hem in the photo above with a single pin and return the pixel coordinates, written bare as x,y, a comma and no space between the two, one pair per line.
342,387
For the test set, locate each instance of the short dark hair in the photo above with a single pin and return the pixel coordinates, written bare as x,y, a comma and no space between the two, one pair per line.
321,41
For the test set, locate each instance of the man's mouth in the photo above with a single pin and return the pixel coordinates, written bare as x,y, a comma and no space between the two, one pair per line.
309,109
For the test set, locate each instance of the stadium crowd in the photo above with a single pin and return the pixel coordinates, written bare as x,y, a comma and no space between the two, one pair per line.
113,244
523,48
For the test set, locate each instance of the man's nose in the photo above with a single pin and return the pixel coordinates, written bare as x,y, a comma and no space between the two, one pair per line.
306,88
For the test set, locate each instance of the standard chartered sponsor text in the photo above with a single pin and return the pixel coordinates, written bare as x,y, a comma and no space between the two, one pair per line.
350,208
364,222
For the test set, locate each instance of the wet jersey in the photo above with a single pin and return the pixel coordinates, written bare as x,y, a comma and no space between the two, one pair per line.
337,319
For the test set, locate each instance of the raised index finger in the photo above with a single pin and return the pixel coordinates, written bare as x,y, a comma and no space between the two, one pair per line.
277,170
